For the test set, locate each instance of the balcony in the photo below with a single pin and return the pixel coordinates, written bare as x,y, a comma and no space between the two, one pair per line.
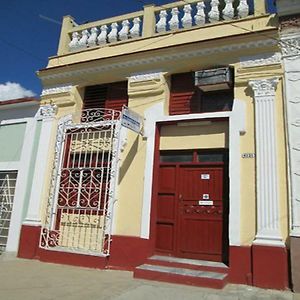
154,21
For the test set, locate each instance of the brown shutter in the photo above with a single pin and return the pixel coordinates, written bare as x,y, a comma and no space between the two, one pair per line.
117,95
182,91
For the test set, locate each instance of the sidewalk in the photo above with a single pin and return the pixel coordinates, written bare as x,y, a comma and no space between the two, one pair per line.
34,280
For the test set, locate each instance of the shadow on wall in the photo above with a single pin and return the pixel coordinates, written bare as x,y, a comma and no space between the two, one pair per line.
129,158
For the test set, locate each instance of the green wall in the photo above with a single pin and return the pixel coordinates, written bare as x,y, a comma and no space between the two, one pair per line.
11,137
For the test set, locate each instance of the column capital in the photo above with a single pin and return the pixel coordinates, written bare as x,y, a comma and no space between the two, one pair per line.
264,87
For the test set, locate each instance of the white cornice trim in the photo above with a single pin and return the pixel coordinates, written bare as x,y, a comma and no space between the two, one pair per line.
159,58
56,90
261,60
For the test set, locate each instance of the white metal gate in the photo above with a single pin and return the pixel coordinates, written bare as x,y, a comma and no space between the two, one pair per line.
80,204
7,193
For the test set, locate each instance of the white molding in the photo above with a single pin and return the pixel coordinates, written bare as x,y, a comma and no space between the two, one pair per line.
261,60
268,225
9,165
236,126
21,186
56,89
170,56
145,77
33,216
15,121
292,89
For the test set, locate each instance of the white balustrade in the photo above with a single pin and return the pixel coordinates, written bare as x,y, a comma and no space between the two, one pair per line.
200,16
135,30
193,14
102,38
113,35
161,25
187,17
84,38
214,14
228,11
174,22
73,45
92,41
124,32
243,9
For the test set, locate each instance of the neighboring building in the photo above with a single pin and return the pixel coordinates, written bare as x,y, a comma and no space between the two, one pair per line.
289,13
19,135
205,179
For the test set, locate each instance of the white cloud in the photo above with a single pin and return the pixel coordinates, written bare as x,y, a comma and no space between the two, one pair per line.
13,90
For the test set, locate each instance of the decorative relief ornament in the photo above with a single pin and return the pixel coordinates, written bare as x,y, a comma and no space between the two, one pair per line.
56,90
264,87
48,110
290,47
261,60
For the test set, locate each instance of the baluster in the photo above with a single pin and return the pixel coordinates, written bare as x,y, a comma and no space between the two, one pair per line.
243,9
228,11
92,41
84,38
102,38
200,16
123,34
74,44
174,22
214,14
187,17
113,35
135,30
161,25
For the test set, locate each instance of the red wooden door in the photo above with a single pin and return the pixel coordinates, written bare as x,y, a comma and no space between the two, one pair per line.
201,211
191,212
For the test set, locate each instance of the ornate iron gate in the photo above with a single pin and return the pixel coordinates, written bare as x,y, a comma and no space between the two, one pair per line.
7,193
79,211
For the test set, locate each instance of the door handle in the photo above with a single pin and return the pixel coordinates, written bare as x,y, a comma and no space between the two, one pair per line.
180,197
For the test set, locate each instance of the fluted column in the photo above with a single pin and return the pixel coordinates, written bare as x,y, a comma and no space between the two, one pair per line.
268,232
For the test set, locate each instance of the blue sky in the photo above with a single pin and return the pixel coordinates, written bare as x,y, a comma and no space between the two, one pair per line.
27,39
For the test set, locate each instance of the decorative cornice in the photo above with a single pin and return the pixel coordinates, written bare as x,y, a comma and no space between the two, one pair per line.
264,87
260,60
56,90
290,46
48,110
160,58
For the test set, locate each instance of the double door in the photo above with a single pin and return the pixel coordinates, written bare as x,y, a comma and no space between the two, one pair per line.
192,211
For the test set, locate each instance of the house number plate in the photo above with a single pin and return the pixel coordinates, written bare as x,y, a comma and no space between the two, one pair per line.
206,202
205,176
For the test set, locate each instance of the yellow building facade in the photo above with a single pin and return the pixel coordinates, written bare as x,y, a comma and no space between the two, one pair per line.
192,173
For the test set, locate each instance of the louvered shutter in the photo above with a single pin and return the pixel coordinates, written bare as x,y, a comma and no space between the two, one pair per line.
183,96
95,96
117,95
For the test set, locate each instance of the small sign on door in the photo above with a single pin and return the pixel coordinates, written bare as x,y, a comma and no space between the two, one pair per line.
206,202
205,196
205,176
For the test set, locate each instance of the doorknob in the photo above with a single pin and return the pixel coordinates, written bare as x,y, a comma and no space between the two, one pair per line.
180,197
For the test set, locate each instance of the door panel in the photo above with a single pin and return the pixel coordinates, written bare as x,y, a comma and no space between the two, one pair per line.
166,210
200,213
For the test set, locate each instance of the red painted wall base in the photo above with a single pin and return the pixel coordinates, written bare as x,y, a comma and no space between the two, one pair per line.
240,271
270,267
262,266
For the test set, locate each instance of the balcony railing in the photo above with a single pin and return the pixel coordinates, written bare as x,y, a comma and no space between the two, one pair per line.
152,21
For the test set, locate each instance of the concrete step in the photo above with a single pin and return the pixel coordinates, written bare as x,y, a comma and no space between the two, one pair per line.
181,275
193,264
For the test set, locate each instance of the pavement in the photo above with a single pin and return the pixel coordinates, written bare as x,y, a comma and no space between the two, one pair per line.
34,280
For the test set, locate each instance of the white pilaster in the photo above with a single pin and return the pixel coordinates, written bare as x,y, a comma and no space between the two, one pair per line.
33,218
291,60
268,232
21,185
